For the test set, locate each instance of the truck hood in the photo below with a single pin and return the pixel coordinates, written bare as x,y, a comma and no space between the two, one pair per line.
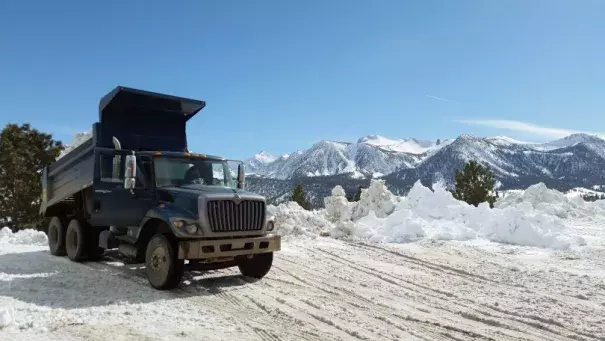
201,189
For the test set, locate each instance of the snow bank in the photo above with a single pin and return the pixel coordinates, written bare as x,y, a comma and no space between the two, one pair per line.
552,202
338,207
382,217
6,316
376,198
293,220
25,237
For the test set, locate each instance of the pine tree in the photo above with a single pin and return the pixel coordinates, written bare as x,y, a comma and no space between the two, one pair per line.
23,153
350,197
475,184
300,197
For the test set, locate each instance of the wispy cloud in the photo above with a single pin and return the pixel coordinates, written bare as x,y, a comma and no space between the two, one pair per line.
437,98
525,127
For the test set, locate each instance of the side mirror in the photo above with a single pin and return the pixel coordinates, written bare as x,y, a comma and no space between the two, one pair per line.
241,176
130,171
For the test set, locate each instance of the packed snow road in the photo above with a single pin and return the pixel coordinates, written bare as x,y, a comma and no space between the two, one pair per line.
320,289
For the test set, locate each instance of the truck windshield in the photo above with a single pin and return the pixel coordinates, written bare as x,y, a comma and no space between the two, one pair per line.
178,172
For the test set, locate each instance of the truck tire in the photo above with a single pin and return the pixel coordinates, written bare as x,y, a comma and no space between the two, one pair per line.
164,269
75,241
56,237
256,267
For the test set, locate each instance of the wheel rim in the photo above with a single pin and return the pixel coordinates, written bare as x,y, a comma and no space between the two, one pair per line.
159,264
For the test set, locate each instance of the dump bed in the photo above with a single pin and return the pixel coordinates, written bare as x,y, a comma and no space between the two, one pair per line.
70,174
139,120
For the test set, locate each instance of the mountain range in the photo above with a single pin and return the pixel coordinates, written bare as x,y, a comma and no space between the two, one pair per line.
577,160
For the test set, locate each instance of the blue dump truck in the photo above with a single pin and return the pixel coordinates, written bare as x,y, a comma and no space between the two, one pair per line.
136,187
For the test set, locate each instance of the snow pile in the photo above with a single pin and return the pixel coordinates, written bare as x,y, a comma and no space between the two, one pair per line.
293,220
6,316
551,202
77,141
382,217
338,207
25,237
376,198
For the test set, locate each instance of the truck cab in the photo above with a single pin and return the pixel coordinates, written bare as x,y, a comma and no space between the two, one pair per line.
135,186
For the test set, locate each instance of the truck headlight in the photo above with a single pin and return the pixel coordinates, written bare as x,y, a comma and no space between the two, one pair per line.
270,225
191,228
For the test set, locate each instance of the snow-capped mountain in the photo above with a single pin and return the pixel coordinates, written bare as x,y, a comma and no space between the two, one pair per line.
580,163
258,161
575,161
408,146
370,156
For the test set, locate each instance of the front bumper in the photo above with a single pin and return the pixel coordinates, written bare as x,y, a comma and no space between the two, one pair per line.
207,249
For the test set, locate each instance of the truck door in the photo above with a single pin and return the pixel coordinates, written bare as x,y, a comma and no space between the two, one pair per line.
114,205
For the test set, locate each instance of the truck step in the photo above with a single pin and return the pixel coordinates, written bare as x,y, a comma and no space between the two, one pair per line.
107,240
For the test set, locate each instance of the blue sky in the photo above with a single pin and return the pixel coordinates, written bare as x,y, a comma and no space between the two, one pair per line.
278,75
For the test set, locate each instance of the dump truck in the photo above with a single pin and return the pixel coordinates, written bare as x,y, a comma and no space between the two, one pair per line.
135,186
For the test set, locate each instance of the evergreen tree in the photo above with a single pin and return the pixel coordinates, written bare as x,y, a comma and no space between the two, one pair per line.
23,153
475,184
300,197
350,197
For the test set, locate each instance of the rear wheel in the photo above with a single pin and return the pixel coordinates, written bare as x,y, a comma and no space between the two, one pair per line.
257,266
76,241
56,237
164,269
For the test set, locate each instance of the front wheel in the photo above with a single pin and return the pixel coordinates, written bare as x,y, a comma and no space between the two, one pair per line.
164,269
256,267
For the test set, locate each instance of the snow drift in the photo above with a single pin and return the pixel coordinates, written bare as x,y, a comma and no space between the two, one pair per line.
292,220
6,316
552,202
24,237
533,218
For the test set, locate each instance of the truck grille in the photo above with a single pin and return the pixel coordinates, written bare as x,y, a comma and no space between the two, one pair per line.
227,216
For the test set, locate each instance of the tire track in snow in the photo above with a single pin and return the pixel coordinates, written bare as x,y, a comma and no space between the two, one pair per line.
126,271
363,307
437,306
228,304
359,306
534,320
139,278
294,278
427,264
539,291
384,309
512,316
383,275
